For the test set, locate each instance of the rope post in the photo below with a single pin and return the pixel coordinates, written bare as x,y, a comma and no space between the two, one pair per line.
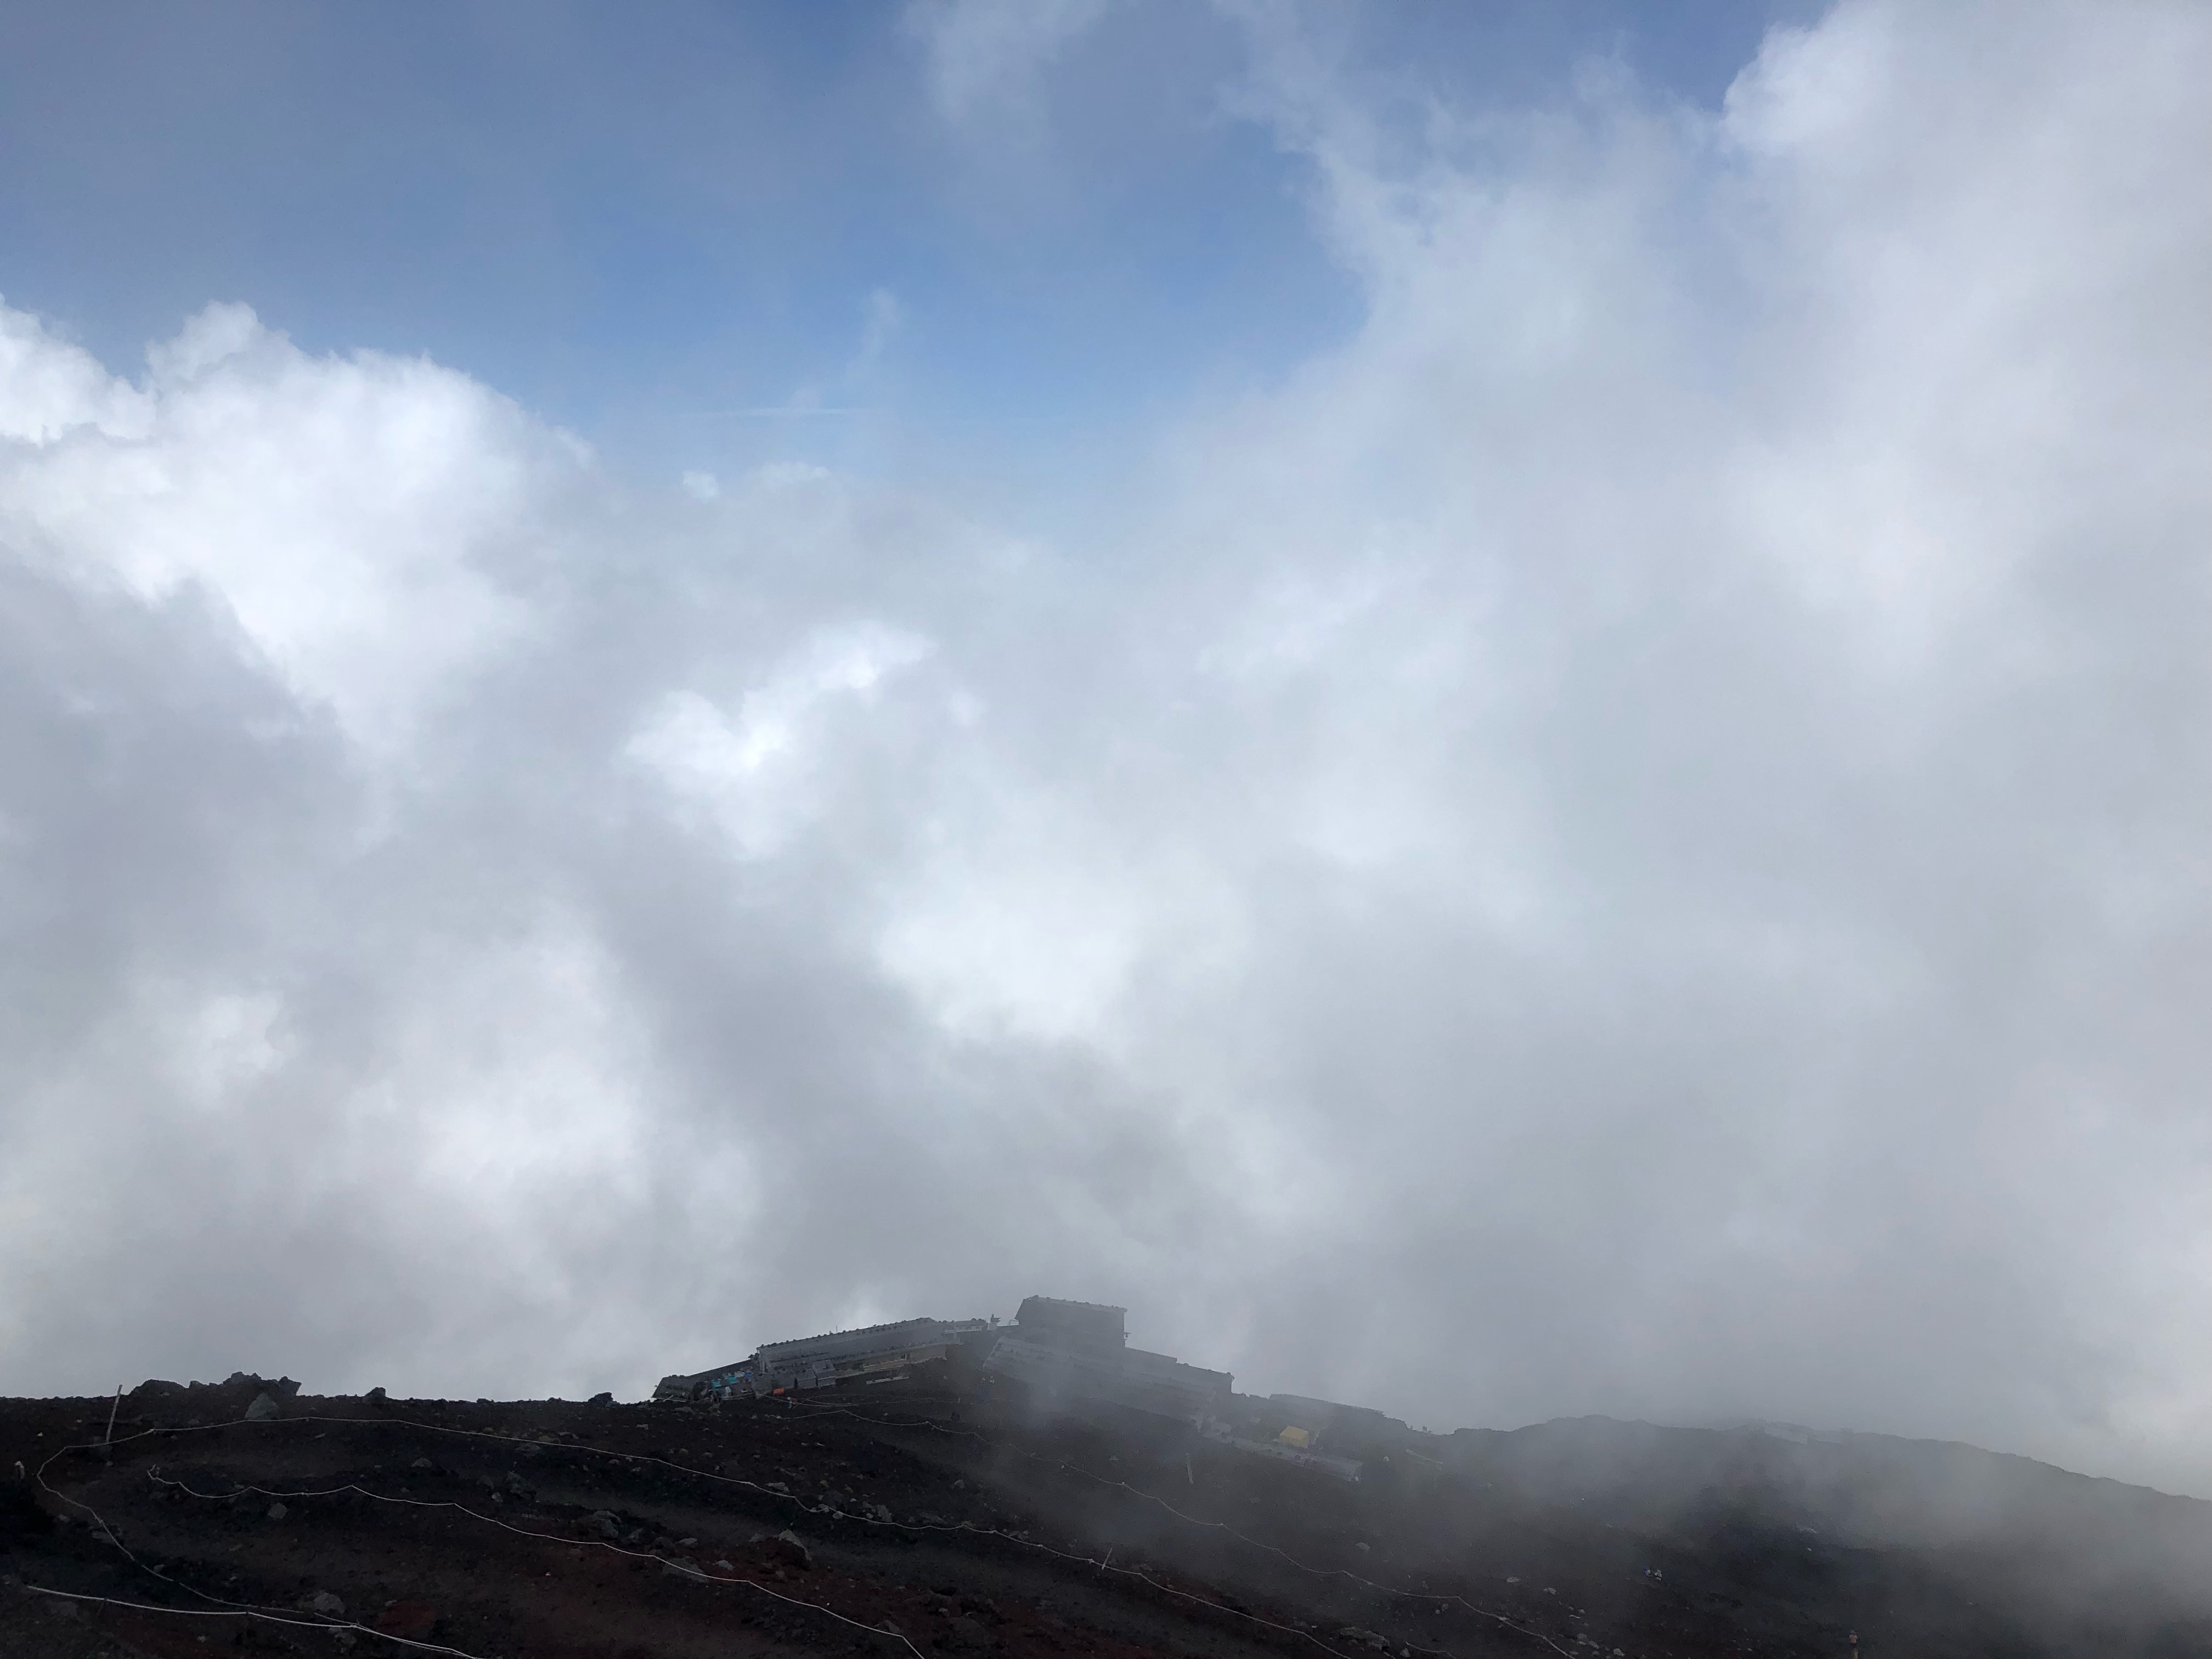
110,1439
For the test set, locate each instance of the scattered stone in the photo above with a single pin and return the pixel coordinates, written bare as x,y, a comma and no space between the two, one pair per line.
683,1567
323,1602
600,1399
277,1511
787,1547
263,1408
421,1463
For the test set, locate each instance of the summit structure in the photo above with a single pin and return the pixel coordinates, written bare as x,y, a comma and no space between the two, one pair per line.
1060,1358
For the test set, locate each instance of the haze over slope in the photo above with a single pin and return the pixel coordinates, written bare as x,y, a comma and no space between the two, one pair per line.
1628,837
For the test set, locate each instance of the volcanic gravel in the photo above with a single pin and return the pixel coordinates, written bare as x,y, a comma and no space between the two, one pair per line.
899,1520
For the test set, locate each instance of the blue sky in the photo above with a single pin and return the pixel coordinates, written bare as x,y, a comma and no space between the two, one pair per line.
630,222
1501,710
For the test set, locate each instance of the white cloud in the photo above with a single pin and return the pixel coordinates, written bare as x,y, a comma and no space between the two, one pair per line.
753,769
48,388
349,514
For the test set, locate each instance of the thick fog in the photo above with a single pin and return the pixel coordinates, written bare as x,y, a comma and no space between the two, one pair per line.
1634,836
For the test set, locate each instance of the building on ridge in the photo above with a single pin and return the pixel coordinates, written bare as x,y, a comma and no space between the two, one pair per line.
816,1362
1062,1356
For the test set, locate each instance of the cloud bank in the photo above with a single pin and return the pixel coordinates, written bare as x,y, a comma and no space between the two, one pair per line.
1631,838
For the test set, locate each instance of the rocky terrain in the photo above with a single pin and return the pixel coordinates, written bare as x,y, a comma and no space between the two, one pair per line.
905,1519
